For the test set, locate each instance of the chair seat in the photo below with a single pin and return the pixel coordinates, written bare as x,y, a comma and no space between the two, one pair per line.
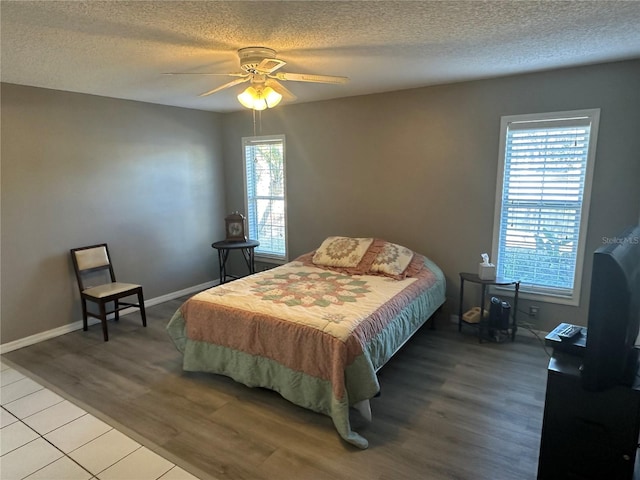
101,291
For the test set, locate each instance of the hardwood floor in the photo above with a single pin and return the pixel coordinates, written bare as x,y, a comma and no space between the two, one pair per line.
450,408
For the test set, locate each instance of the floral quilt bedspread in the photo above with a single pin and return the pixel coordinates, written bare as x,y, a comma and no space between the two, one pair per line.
314,335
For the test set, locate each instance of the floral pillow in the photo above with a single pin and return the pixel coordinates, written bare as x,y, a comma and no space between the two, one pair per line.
393,260
365,256
342,252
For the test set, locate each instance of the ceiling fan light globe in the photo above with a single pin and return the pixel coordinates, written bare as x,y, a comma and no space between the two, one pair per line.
260,104
271,97
248,97
259,99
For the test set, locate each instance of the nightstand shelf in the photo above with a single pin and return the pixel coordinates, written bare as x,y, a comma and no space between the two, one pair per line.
483,324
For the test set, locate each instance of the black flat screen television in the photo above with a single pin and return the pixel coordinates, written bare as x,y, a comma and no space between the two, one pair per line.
611,356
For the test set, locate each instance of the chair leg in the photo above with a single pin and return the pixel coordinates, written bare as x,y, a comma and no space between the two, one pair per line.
103,319
116,305
143,313
85,325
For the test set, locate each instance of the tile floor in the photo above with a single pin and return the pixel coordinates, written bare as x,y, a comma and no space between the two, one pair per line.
43,436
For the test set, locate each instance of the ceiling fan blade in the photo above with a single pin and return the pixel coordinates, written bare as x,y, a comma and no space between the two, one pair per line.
279,88
226,85
309,77
216,74
269,65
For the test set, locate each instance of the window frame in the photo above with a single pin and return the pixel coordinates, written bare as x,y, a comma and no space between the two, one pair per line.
262,256
538,292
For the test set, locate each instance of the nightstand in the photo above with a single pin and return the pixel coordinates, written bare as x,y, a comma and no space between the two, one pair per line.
482,324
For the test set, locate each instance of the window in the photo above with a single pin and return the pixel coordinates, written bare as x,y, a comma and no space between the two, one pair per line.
542,201
264,168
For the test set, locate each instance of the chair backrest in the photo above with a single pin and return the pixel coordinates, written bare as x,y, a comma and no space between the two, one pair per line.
90,260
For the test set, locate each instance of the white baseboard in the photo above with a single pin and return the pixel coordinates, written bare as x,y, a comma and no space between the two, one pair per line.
56,332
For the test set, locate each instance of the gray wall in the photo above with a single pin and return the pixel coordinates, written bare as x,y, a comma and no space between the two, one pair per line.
418,167
79,170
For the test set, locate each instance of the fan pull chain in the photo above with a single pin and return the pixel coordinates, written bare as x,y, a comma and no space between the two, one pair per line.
259,122
254,122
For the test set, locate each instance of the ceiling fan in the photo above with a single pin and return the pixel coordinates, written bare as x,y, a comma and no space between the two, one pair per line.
259,66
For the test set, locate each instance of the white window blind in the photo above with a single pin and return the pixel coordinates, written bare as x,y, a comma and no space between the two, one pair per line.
264,165
543,199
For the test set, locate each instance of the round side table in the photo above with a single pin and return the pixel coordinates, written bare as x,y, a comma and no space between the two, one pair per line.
224,247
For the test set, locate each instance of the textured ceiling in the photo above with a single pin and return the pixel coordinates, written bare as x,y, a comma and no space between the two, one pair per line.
120,48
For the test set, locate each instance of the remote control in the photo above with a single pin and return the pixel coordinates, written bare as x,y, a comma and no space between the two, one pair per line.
569,332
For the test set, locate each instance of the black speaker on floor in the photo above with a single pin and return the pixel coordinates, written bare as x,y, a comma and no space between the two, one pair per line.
499,313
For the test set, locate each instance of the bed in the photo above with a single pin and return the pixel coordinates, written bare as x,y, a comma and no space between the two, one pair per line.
316,329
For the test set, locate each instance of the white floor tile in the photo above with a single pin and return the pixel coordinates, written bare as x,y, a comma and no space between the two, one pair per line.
62,469
9,375
19,389
143,464
177,473
104,451
33,403
53,417
30,410
76,433
6,418
27,459
14,436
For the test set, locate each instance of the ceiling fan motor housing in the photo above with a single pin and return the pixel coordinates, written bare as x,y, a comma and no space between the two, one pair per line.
252,57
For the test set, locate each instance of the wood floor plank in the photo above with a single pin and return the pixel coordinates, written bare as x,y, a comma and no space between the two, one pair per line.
450,408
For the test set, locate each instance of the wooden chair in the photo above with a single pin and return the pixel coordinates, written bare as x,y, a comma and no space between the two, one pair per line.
92,264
